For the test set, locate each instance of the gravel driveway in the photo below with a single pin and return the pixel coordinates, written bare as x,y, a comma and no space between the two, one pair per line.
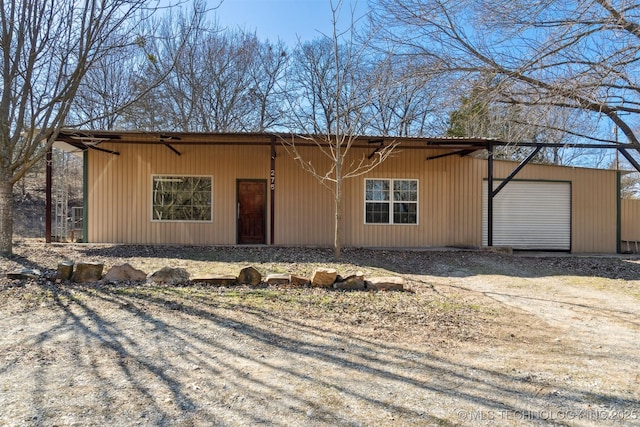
478,339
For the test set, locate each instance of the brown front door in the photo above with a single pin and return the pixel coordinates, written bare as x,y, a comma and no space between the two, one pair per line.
252,213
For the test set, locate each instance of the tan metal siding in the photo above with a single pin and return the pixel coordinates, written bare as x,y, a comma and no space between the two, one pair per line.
465,200
433,211
593,202
304,207
630,221
357,233
449,203
119,193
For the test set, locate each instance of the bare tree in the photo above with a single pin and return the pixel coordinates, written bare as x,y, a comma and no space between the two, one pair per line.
109,85
268,90
580,56
47,49
405,102
166,76
224,81
329,111
478,115
220,80
630,185
315,85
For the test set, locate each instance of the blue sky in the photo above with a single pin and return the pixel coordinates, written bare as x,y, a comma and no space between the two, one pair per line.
284,19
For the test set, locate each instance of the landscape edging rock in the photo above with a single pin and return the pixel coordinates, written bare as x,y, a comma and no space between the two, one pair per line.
323,277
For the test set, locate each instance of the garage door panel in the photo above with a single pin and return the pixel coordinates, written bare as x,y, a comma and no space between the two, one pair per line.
530,215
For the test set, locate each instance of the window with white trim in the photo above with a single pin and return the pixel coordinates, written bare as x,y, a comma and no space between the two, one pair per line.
391,201
182,198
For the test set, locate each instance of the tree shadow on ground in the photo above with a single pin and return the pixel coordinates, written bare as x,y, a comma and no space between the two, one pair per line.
160,357
24,262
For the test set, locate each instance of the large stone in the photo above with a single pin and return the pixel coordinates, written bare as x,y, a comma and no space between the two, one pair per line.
64,271
351,283
277,279
124,273
169,276
298,281
390,283
27,273
88,272
216,280
249,276
324,277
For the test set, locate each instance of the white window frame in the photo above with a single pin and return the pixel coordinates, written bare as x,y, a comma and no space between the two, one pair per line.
391,202
177,176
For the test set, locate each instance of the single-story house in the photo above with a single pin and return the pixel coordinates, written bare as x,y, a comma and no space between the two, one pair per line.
246,188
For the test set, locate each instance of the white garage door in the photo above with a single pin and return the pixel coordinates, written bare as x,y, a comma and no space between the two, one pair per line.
530,215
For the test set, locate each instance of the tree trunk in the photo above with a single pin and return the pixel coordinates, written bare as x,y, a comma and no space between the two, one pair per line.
6,216
337,240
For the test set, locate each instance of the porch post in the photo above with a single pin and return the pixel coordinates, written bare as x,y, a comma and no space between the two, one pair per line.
48,192
490,195
272,189
85,196
618,211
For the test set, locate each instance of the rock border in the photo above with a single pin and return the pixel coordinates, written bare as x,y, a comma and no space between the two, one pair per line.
322,277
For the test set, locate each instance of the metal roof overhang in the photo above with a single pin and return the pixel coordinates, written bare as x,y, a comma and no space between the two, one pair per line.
77,140
72,140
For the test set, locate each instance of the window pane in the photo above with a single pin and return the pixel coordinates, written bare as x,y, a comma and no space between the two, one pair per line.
405,190
405,213
377,189
160,212
377,213
178,198
202,212
183,212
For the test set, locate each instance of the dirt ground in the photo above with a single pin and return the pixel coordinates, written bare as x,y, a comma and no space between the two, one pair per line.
477,339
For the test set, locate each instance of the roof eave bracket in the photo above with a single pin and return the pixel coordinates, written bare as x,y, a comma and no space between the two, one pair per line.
171,147
516,170
102,150
378,148
461,153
